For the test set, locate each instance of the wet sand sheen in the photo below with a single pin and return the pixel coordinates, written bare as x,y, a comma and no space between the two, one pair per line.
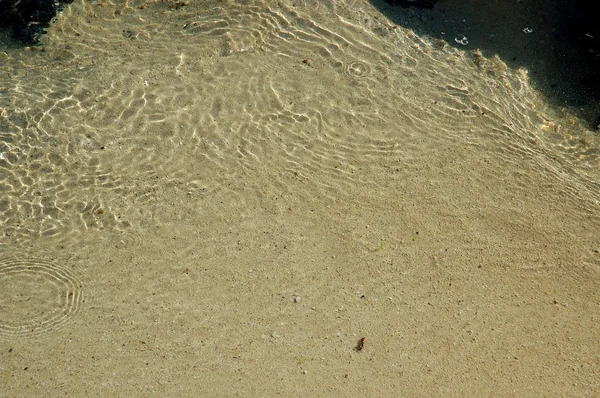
204,166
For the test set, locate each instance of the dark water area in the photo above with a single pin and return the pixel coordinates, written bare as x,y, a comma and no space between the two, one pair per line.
556,41
27,20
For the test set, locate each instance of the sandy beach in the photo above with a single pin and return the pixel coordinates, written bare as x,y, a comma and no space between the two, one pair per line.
300,199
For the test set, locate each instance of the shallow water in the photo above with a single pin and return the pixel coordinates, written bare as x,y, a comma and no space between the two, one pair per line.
175,178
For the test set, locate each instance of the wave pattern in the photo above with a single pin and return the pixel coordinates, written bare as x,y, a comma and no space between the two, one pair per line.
250,94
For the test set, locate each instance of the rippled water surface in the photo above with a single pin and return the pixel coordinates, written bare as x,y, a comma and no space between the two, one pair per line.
225,196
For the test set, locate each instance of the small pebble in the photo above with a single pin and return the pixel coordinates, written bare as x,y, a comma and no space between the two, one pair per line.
297,299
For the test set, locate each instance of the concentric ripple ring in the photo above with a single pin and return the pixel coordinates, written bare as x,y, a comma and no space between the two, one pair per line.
357,69
37,296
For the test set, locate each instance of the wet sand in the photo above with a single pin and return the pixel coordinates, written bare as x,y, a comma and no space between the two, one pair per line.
224,199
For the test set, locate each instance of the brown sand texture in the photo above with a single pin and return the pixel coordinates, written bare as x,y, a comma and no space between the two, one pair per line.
294,198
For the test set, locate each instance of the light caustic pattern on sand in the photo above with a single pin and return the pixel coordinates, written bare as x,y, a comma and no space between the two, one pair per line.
37,296
249,93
